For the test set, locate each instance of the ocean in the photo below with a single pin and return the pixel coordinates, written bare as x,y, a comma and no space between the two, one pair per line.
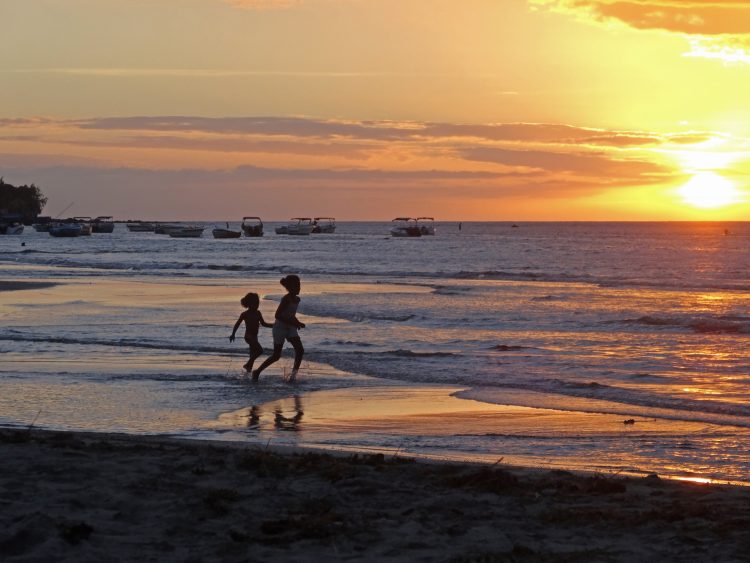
644,322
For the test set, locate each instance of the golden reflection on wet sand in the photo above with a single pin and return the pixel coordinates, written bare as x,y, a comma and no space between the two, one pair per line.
434,411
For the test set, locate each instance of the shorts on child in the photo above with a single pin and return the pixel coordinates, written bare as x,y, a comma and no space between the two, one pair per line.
282,331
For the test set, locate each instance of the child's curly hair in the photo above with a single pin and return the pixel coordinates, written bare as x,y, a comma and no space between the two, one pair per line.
250,301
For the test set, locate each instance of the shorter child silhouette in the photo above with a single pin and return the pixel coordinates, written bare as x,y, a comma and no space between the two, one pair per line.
252,319
285,327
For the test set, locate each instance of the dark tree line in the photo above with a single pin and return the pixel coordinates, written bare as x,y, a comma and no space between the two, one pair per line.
26,201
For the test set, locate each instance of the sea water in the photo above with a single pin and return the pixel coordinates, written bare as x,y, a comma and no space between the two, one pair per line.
645,321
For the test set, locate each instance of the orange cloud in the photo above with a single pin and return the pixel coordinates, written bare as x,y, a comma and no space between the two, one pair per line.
348,161
705,17
716,29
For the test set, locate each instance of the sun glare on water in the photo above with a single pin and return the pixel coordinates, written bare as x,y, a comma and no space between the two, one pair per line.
709,190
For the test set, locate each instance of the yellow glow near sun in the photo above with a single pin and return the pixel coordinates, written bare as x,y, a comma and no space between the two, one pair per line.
709,190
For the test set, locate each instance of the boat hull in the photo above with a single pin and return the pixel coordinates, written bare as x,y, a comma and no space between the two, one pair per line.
324,229
256,231
404,232
65,231
295,230
186,233
225,233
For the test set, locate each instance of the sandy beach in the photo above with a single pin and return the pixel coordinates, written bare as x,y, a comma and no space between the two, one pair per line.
97,497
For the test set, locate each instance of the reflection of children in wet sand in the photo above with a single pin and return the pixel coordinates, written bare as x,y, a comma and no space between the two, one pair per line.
253,417
285,327
252,318
282,422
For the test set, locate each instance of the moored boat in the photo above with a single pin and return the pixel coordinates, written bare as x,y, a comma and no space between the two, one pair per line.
164,229
219,232
191,231
297,226
252,226
85,223
10,224
324,225
11,228
405,227
65,230
426,225
103,224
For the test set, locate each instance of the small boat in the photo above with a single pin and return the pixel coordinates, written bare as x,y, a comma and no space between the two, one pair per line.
426,225
140,227
252,226
85,223
65,230
11,228
219,232
324,225
303,226
165,229
405,227
103,224
186,232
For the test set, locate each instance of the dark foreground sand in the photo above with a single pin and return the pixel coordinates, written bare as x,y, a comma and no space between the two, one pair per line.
88,497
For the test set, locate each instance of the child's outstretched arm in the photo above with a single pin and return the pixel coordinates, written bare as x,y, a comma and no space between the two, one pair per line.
263,321
236,326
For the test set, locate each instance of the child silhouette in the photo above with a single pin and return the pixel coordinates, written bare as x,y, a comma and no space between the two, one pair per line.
252,319
285,327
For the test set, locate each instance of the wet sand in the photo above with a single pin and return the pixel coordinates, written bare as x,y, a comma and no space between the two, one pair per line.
97,497
436,422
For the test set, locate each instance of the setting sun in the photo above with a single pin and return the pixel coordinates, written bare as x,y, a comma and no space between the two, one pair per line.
709,190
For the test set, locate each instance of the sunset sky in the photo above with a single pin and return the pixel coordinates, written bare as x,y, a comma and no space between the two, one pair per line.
371,109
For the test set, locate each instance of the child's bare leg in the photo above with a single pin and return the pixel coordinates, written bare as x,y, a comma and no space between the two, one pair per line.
269,360
299,351
255,351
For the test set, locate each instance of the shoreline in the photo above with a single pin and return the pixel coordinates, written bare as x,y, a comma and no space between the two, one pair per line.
70,496
427,422
435,422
